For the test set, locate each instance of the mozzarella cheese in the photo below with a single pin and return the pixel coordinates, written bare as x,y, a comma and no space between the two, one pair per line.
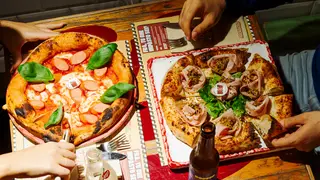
44,96
51,88
64,55
31,95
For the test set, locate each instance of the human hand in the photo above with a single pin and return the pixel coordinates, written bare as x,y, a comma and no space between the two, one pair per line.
209,10
46,159
306,137
14,35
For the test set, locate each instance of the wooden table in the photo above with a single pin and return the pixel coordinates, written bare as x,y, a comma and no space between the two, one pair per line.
272,166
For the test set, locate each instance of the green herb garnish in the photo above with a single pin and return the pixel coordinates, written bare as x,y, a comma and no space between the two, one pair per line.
55,117
102,56
116,91
35,72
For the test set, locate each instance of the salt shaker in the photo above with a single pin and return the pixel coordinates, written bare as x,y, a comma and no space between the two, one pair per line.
94,164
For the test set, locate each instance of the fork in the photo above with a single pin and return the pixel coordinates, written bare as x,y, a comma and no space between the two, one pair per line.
119,143
176,43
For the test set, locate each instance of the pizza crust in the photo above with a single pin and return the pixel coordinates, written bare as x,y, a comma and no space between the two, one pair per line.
246,140
172,85
182,130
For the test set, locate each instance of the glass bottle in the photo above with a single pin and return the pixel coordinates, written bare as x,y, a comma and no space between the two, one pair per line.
94,164
204,158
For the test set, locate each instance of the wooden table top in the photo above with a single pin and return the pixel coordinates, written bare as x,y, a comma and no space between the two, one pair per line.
272,166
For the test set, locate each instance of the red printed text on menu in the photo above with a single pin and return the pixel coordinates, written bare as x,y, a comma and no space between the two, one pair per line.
153,37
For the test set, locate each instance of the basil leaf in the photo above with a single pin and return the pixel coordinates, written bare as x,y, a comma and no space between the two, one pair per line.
102,56
237,75
35,72
116,91
215,109
55,117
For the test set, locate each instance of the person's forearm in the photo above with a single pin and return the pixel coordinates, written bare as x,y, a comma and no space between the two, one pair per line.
9,166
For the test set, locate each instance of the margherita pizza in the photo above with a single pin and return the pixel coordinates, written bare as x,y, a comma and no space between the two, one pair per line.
75,78
216,86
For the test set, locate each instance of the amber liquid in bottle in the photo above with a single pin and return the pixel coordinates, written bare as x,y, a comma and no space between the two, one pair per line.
204,158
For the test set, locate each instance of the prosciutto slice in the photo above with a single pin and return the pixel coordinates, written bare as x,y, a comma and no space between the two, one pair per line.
226,63
252,84
227,125
193,79
258,107
193,114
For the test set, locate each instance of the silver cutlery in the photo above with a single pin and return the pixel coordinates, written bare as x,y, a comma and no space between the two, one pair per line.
117,144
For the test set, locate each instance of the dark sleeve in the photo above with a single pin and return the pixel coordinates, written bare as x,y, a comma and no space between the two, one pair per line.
250,6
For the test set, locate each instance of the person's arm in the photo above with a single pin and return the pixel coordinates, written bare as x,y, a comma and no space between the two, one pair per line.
45,159
211,10
14,35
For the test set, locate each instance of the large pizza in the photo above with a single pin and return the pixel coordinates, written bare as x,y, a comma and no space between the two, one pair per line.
241,98
74,80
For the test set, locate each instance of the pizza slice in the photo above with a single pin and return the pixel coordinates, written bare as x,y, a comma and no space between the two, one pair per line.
261,78
233,134
223,60
266,126
184,79
266,112
184,117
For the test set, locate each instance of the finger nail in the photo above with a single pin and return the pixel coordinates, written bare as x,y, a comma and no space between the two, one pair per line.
194,35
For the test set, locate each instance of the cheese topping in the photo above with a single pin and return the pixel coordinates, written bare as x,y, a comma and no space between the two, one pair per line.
31,95
64,55
44,96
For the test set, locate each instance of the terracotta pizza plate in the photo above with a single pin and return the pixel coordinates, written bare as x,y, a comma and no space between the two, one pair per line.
94,31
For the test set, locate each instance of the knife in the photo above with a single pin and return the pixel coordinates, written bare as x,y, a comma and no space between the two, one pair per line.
65,129
113,155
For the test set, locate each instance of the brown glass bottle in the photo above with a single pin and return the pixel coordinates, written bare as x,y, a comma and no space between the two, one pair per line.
204,158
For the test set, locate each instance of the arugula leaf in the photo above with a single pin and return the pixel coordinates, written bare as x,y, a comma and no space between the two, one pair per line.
55,117
237,75
35,72
116,91
238,105
214,80
102,56
205,93
215,108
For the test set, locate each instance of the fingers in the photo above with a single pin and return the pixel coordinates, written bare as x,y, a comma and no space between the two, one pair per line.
207,23
43,35
51,26
186,20
67,146
17,59
294,121
287,141
68,154
60,170
65,162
